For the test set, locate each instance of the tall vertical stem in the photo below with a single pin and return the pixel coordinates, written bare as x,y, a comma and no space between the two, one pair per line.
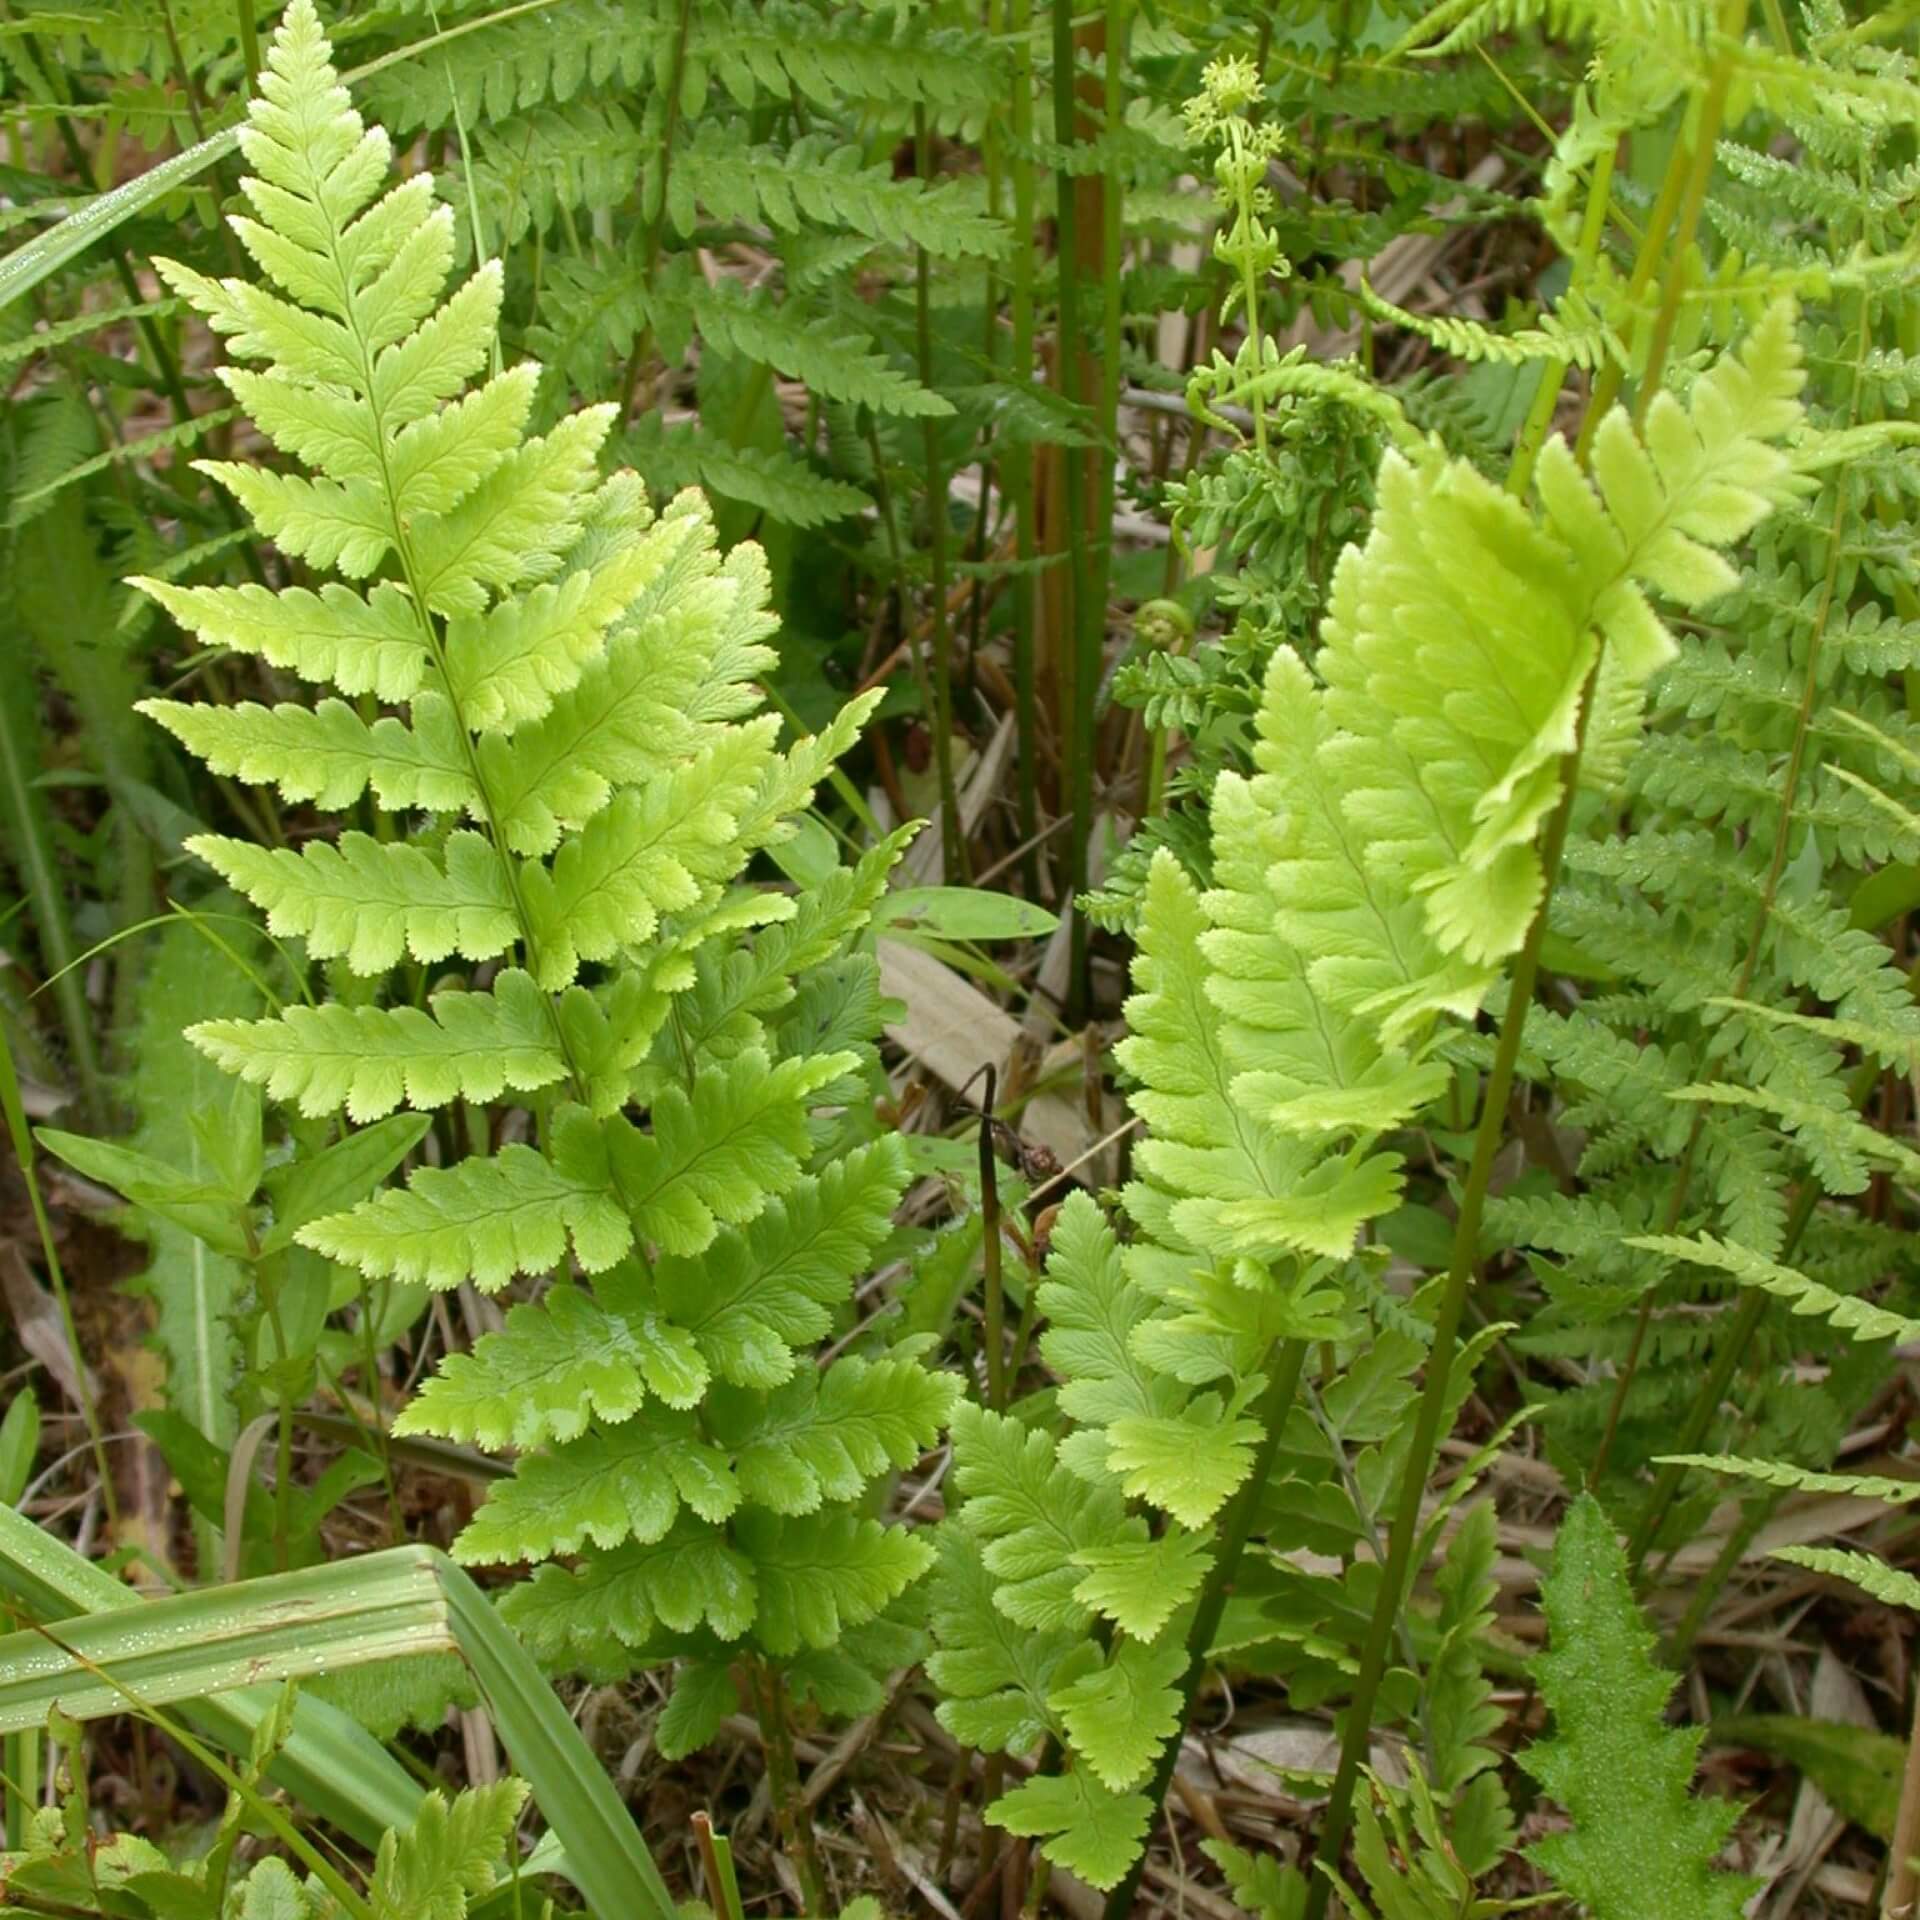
1902,1900
953,850
1487,1141
790,1810
990,1254
656,216
1081,613
1283,1382
1016,480
249,43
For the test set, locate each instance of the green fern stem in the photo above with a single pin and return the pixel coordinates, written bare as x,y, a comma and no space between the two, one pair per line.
1606,388
1016,480
953,852
1079,642
249,43
1754,1515
1694,199
657,215
1489,1137
1287,1360
794,1816
1553,375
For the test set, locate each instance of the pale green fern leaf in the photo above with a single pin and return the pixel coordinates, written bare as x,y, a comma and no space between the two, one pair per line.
363,644
1188,1464
691,1576
449,1852
1033,1517
369,902
761,1291
822,1573
464,1046
1791,1479
1459,638
655,850
1083,1825
1092,1311
1121,1715
328,754
488,1218
718,1155
1867,1571
1859,1319
508,665
553,1368
627,1484
993,1676
1141,1584
824,1435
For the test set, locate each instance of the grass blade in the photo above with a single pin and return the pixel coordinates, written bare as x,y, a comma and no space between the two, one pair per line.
381,1606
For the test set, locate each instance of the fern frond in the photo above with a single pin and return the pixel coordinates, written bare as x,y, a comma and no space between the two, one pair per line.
627,1484
1084,1826
1858,1319
822,1573
552,1369
824,1435
1119,1716
1033,1516
832,359
1574,334
370,901
328,754
719,1154
769,478
361,643
488,1218
449,1852
994,1675
1868,1572
763,1290
816,182
1788,1478
465,1046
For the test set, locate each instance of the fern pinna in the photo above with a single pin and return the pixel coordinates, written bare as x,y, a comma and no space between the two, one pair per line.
1370,883
577,743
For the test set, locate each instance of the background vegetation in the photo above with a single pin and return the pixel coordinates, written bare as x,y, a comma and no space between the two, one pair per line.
958,957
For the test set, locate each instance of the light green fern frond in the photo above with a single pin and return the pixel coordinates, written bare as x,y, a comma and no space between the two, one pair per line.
1867,1571
1788,1478
582,774
1573,334
1859,1319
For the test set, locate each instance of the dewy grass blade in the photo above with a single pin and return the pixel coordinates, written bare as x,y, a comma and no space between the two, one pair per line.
27,267
331,1764
405,1601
